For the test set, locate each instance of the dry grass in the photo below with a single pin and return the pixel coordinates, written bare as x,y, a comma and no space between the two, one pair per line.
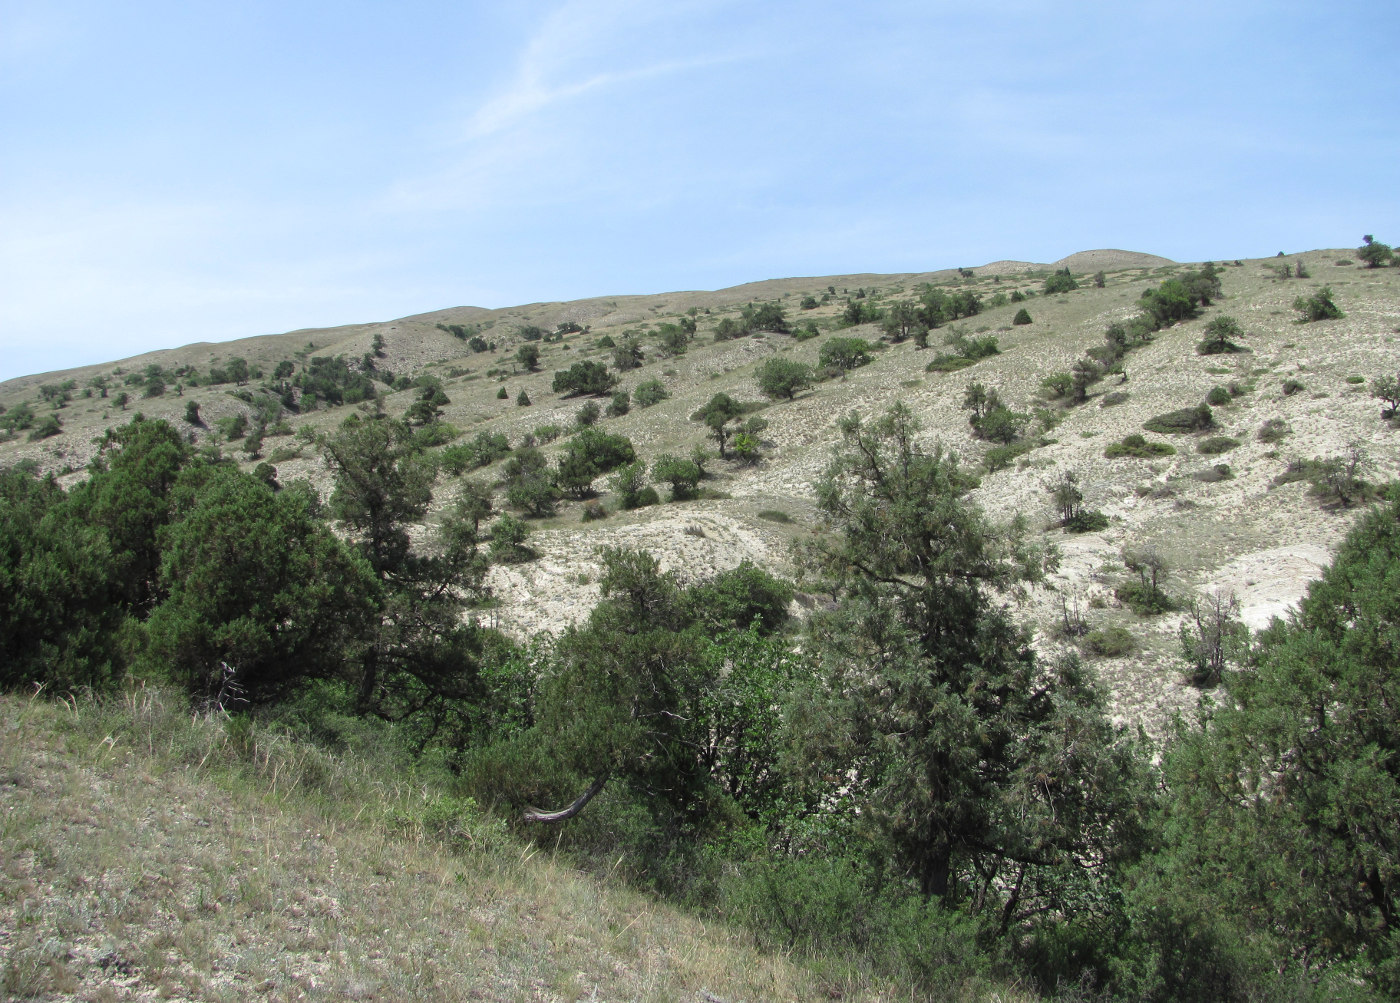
152,854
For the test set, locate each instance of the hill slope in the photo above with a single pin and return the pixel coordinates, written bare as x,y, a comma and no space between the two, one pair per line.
1238,529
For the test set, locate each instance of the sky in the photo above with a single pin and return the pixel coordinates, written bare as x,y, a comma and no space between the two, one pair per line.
193,171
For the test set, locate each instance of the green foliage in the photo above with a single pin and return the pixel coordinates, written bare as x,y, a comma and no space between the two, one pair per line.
628,355
46,429
1218,397
1146,597
1182,421
1318,306
631,487
1274,430
192,414
844,354
1023,316
528,355
930,688
620,404
331,379
1292,386
1387,390
1001,457
902,321
1216,444
764,317
588,455
1057,385
508,535
522,399
1285,797
1374,253
1221,333
742,597
1110,642
682,475
587,378
587,415
648,393
61,596
486,448
717,414
1060,282
783,378
261,595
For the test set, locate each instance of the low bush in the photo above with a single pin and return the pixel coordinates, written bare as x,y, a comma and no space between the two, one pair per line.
1086,521
1023,316
1216,445
1215,474
774,515
649,392
1292,386
1139,446
1001,457
1114,398
1272,431
1143,599
1110,642
1218,397
1318,306
1182,421
594,511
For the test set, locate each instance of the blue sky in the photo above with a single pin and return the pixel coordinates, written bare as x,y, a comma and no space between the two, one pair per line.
178,172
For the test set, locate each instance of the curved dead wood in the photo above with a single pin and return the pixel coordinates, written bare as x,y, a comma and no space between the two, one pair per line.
535,815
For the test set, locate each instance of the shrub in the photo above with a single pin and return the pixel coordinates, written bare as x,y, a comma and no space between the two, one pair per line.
1060,282
806,331
1182,421
1291,386
682,475
783,378
546,434
1215,474
1110,642
1023,316
1057,385
1114,398
1318,306
1138,446
1218,397
774,515
486,448
522,399
844,353
1220,333
50,426
508,535
1217,444
943,363
502,394
587,415
588,455
1001,457
620,404
593,511
1086,521
1386,389
1272,431
1374,253
590,378
649,392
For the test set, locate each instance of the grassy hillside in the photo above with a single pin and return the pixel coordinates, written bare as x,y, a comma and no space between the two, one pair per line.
150,854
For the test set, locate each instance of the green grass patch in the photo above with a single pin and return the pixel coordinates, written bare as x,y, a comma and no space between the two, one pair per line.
1138,446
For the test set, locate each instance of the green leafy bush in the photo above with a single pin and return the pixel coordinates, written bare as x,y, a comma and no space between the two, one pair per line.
1318,306
1182,421
1139,446
1220,335
783,378
590,378
1114,398
1292,386
1061,281
1218,397
649,392
844,354
1110,642
1274,430
1216,445
1023,316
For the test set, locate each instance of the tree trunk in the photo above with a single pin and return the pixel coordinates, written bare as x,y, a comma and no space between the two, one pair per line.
535,815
